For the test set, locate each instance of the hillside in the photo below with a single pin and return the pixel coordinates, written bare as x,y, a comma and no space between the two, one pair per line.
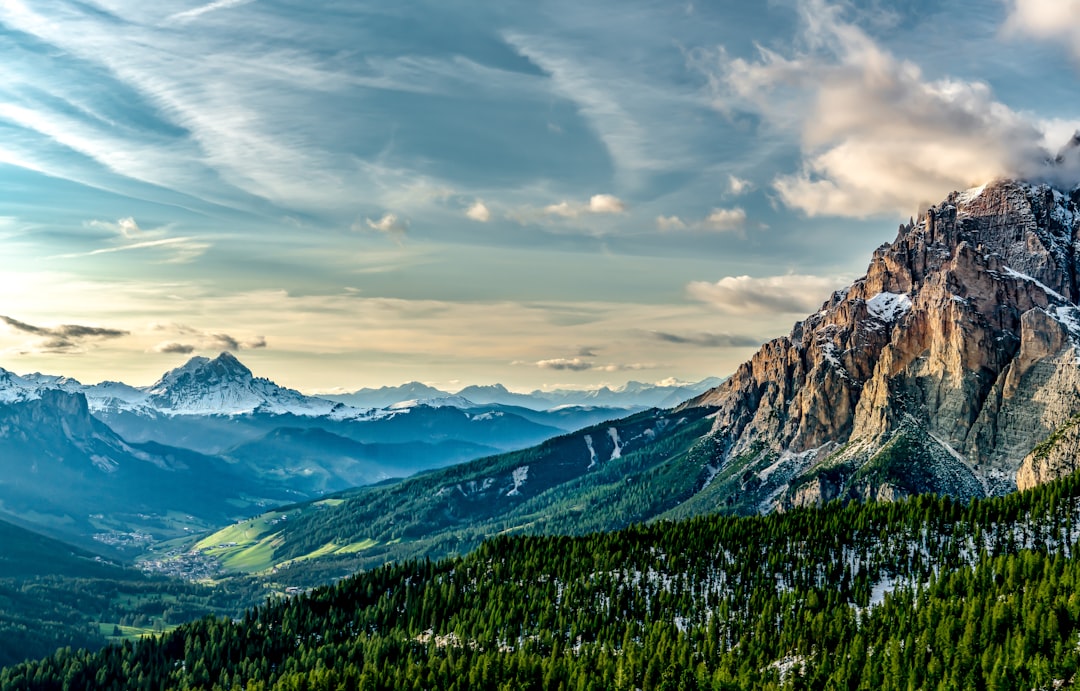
600,478
54,595
920,593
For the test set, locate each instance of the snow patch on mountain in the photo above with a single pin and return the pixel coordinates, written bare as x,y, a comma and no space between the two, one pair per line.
519,476
617,451
970,195
888,307
1012,273
592,452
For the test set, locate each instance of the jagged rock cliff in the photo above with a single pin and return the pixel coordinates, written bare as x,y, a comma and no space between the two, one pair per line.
939,370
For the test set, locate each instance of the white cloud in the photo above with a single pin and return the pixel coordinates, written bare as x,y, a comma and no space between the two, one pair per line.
664,223
877,137
787,294
389,224
738,185
724,220
597,204
1052,20
579,365
718,220
606,204
479,212
564,209
572,364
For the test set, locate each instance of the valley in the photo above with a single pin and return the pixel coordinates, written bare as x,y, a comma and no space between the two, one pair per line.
120,468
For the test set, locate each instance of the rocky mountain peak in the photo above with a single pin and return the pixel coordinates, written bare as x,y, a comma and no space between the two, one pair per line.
938,370
225,386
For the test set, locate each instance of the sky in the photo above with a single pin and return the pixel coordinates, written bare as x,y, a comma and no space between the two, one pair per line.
545,193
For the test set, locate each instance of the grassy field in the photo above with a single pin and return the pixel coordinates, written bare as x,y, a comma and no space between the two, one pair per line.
249,546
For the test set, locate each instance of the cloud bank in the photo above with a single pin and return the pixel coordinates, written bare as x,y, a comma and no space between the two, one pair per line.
1051,20
880,138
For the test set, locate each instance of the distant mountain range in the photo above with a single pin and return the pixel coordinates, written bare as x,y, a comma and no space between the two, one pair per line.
633,394
210,442
225,386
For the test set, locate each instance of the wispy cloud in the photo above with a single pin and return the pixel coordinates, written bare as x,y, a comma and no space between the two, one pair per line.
788,294
578,364
631,110
708,340
197,339
234,113
388,223
196,12
64,339
128,236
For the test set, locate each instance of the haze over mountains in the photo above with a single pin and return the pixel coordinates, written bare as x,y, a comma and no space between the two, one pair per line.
210,443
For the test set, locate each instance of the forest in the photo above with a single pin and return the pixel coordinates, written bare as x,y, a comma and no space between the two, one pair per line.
921,593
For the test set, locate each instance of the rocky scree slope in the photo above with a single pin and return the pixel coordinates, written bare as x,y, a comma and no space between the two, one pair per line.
940,370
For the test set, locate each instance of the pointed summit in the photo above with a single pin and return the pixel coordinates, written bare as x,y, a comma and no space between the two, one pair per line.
225,386
225,367
938,371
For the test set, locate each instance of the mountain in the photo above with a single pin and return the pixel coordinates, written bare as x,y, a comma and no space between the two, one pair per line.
951,368
200,387
314,461
63,469
940,370
600,478
631,396
386,396
224,386
29,555
210,443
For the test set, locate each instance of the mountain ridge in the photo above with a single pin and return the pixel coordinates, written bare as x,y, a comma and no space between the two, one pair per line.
225,386
960,343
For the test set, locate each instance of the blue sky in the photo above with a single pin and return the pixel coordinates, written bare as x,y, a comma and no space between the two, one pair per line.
356,194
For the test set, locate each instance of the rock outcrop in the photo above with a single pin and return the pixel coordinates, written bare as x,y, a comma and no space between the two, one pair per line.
939,370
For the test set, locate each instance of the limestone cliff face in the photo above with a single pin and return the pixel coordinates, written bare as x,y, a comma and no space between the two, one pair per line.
939,370
1057,456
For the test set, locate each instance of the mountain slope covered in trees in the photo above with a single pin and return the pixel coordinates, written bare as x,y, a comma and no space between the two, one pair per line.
600,478
921,593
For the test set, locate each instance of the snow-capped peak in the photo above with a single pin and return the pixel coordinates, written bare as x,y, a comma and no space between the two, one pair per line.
437,402
224,386
15,389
